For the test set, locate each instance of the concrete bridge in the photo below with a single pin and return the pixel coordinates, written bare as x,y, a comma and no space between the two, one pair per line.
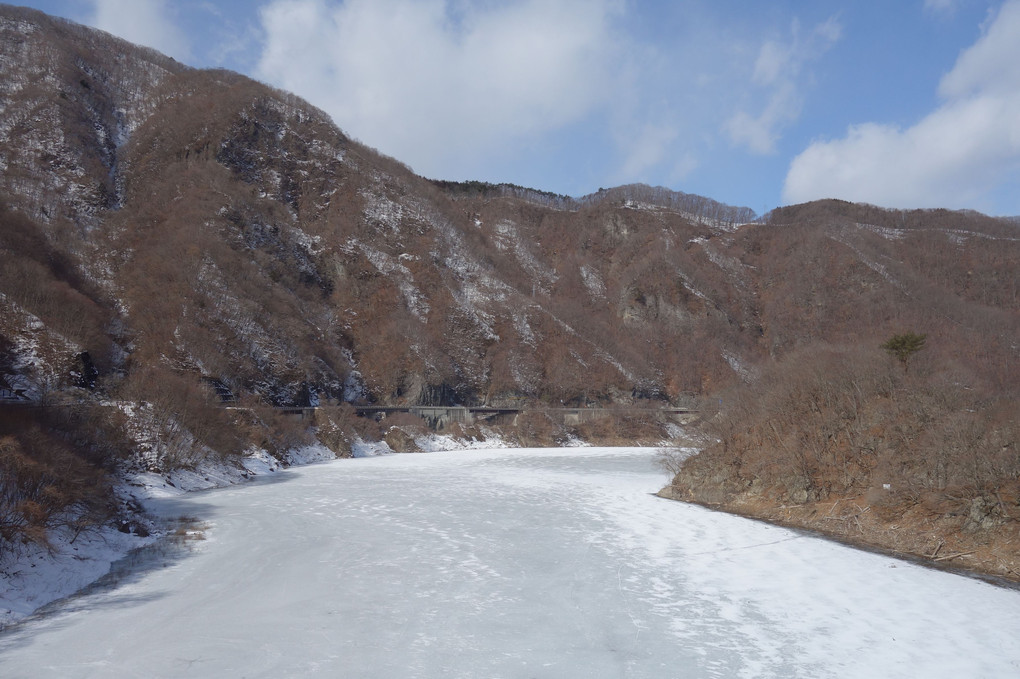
439,417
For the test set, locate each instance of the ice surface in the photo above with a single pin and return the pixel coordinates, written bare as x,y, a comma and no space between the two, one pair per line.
511,563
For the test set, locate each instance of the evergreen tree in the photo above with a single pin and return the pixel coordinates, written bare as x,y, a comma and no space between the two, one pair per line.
902,347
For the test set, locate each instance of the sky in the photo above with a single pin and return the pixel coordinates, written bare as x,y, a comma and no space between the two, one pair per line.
903,104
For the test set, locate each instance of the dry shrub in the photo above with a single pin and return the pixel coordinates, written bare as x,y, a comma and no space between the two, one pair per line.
408,421
45,485
335,430
98,433
339,427
287,432
367,428
48,283
620,428
400,441
838,421
186,416
401,431
464,432
671,460
536,429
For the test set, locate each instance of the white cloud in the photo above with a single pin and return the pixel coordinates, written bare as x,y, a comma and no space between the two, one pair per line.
778,71
956,156
760,133
145,22
991,66
644,149
943,7
434,81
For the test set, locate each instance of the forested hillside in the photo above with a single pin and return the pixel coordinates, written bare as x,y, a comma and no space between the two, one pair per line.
172,237
888,410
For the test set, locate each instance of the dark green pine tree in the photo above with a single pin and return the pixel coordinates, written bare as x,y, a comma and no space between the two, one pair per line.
902,347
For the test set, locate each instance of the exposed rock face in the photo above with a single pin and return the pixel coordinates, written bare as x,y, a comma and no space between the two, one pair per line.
985,514
400,441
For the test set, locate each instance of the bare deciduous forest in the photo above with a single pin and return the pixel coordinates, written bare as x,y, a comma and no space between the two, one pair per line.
173,239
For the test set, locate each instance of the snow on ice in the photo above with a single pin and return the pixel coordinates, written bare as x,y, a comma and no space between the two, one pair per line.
511,563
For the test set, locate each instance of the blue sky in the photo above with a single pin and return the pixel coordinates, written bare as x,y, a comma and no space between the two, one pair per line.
911,103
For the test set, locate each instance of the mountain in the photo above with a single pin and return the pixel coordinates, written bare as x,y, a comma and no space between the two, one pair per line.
171,237
230,231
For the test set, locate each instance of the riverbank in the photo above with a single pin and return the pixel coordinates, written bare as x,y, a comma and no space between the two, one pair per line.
961,541
39,574
514,562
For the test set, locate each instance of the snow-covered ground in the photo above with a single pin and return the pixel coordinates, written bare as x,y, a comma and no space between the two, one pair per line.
37,575
508,563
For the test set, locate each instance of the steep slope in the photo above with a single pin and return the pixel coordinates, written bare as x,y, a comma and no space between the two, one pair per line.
236,234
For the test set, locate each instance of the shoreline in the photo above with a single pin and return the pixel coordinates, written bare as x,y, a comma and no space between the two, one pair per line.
40,576
867,540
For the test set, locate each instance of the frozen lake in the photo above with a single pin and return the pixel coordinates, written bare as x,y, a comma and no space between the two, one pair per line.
511,563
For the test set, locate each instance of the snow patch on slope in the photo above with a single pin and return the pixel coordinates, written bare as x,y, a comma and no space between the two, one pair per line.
689,284
731,265
884,231
508,237
745,372
34,346
416,302
601,353
593,281
867,261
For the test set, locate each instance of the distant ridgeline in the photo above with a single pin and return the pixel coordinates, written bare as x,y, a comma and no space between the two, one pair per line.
698,207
